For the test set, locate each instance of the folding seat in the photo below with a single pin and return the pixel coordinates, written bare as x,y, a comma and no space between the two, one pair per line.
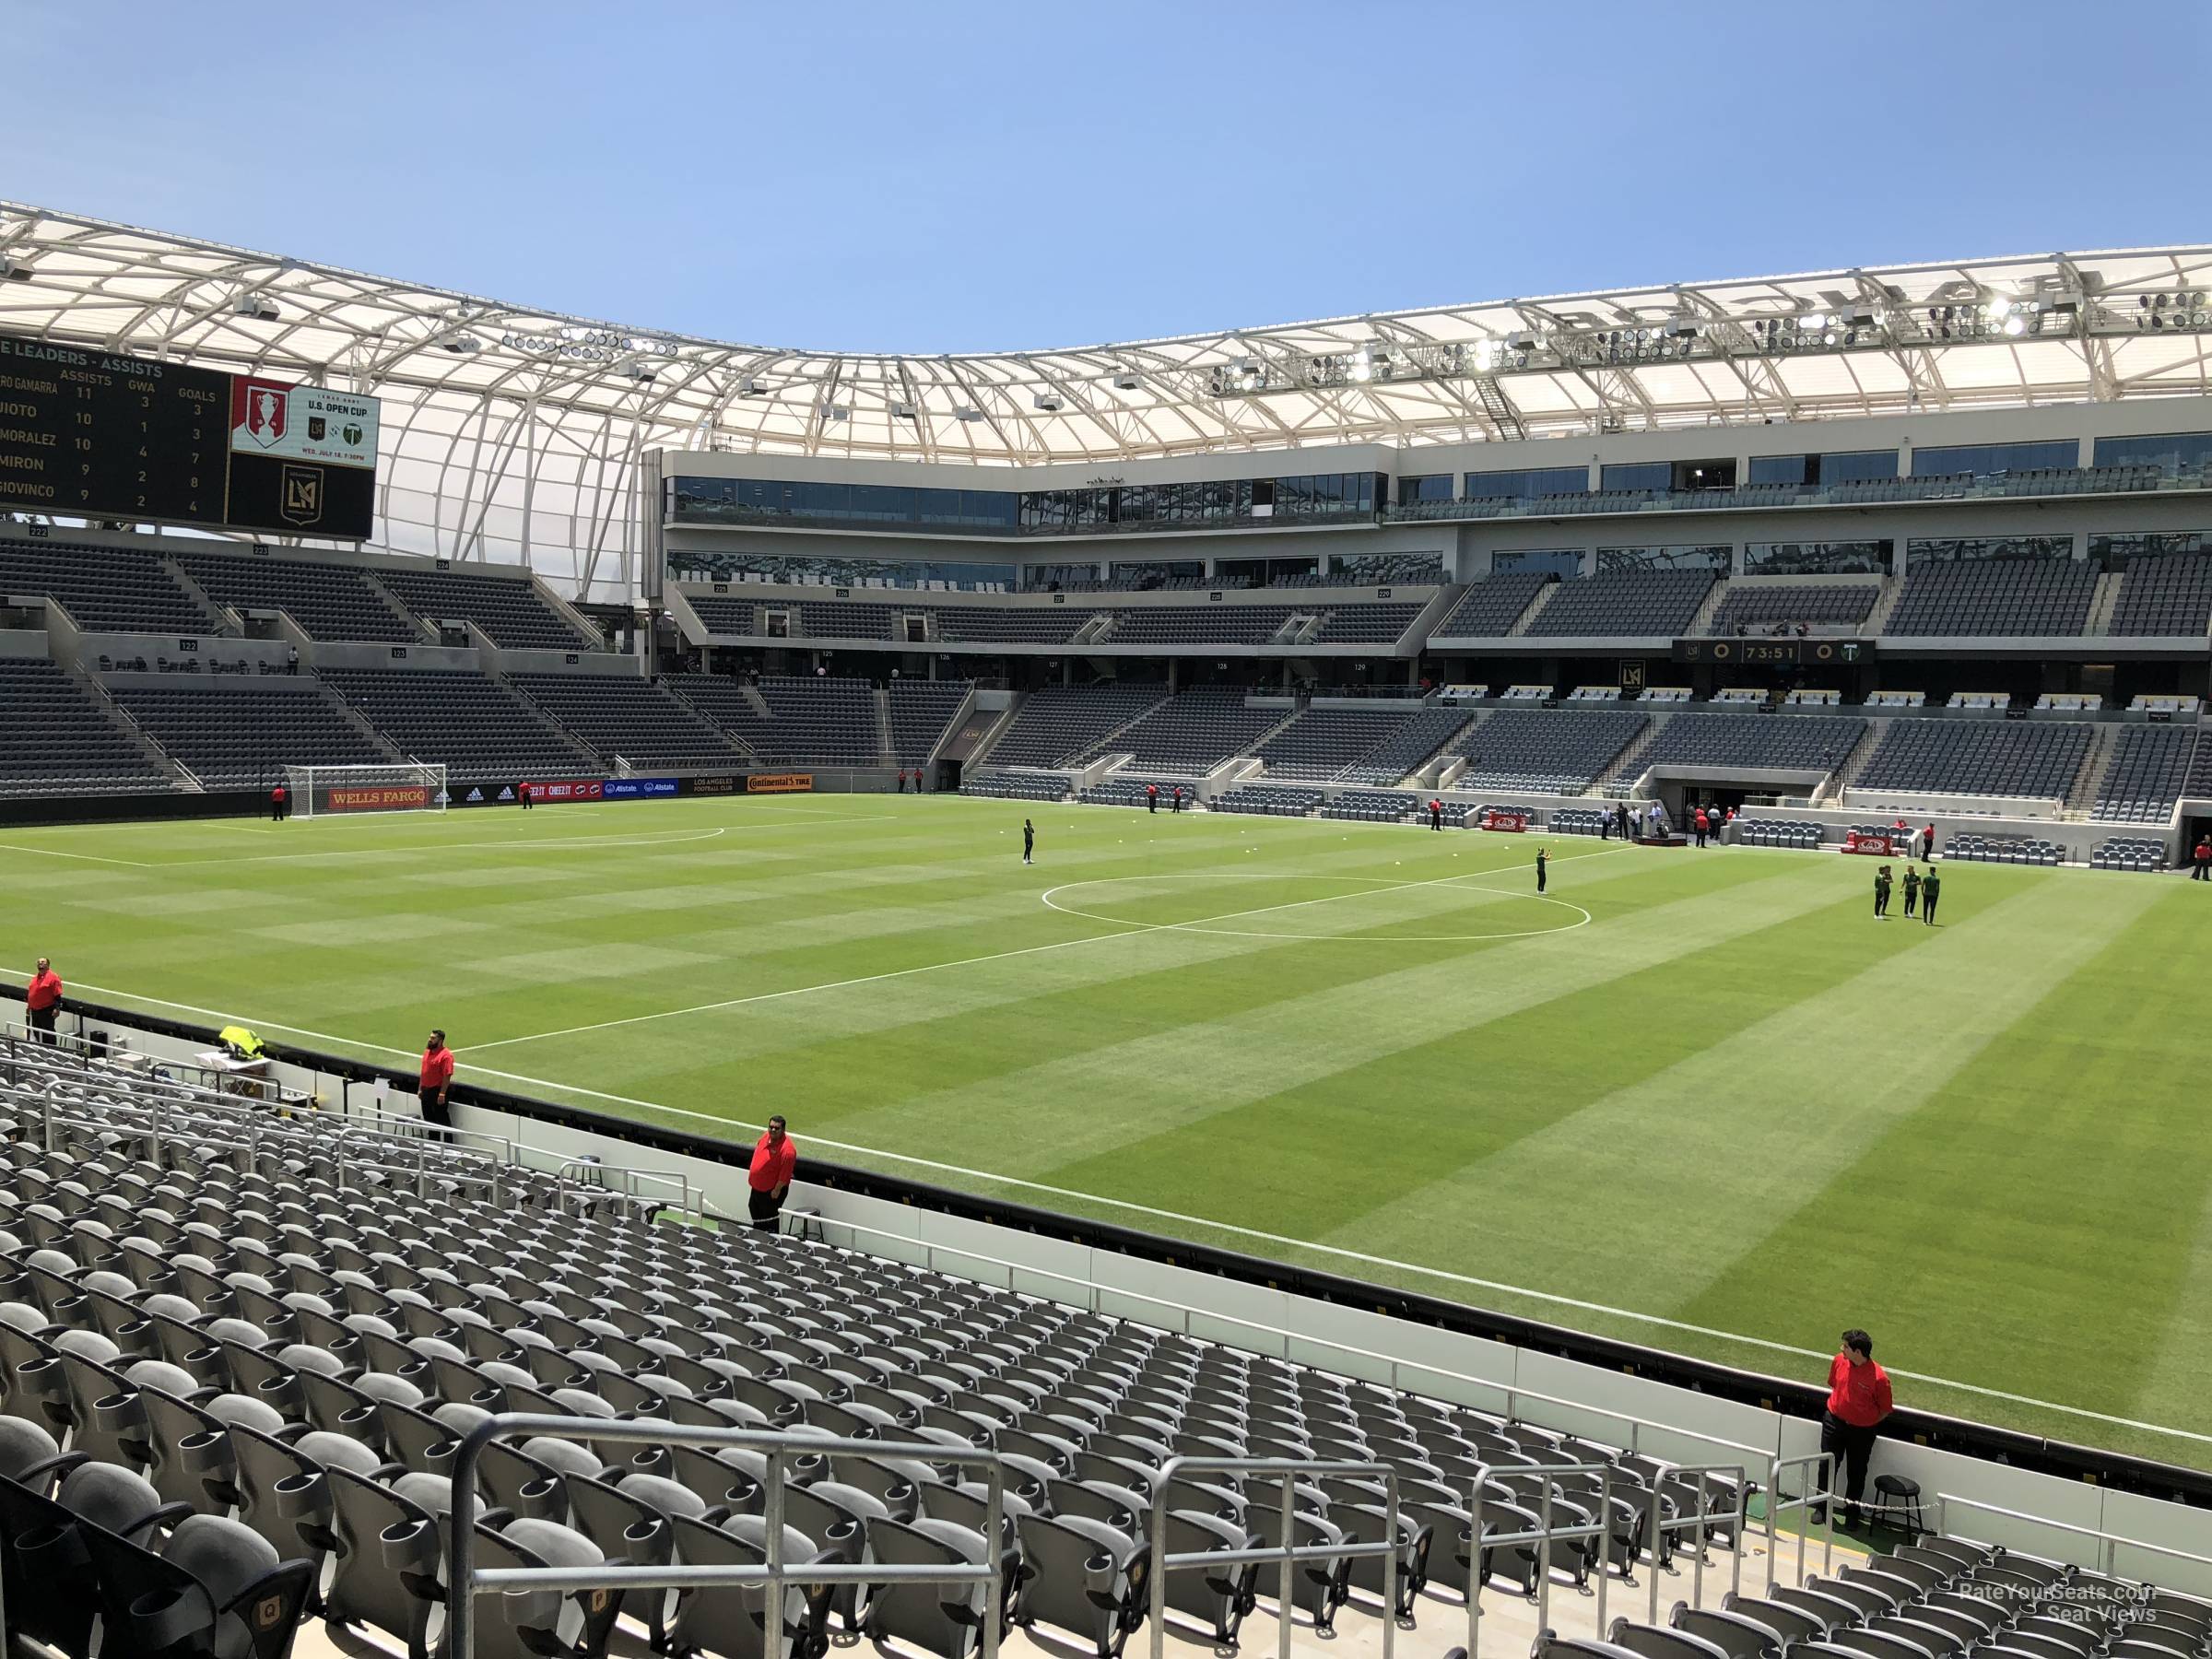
732,1619
1792,1625
542,1624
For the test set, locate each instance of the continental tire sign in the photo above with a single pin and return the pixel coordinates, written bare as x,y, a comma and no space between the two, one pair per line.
780,784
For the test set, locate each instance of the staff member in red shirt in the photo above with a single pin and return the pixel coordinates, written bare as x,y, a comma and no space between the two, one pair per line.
437,1081
1858,1399
42,1001
775,1155
280,801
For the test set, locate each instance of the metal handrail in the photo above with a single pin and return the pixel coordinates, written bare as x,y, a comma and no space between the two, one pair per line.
466,1580
2112,1541
1513,1392
1542,1537
1287,1470
1824,1464
1696,1522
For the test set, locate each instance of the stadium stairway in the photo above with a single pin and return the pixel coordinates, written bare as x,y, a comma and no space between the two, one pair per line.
884,753
1877,619
1621,777
1527,618
2106,601
140,738
2089,781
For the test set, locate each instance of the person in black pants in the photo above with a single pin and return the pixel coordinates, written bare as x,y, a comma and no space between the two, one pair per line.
1928,890
1542,868
1436,815
2201,865
1881,894
1029,841
1858,1401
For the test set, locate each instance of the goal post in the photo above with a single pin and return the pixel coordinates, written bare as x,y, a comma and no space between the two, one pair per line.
335,791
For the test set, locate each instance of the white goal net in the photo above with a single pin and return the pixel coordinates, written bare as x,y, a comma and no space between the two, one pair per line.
330,791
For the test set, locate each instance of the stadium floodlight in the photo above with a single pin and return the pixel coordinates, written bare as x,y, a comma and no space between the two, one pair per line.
258,307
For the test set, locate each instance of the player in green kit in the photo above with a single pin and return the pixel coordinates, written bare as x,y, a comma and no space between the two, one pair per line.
1911,887
1929,892
1881,894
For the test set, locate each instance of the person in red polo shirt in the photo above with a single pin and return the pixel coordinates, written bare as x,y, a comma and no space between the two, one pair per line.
775,1155
1858,1399
280,800
42,1001
437,1081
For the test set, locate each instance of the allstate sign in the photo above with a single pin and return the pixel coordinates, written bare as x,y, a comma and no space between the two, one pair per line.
638,789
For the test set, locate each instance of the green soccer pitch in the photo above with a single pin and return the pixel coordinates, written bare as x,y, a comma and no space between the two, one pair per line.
1700,1100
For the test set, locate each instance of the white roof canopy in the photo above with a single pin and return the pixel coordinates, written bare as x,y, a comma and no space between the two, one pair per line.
515,434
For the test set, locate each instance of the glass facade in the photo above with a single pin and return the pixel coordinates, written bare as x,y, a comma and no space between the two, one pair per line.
1366,568
1847,466
1527,483
1068,578
1700,557
758,501
1637,475
1196,506
1981,458
2172,451
2113,547
1437,487
1563,562
1159,573
1992,547
1817,559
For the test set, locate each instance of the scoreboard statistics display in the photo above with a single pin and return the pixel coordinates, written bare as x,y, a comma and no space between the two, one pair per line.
87,433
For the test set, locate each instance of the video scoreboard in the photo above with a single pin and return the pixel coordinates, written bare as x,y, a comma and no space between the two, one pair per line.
87,433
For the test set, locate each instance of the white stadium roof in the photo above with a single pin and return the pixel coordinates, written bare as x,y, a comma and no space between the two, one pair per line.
511,432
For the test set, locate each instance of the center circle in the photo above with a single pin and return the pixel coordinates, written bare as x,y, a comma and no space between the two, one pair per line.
1205,926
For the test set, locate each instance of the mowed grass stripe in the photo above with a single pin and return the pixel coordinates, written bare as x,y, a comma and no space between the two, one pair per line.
1514,1069
1183,1070
2050,1118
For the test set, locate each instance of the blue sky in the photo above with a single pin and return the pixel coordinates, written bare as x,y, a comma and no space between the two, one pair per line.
978,177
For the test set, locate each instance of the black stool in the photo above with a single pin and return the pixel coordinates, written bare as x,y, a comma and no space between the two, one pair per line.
1895,1494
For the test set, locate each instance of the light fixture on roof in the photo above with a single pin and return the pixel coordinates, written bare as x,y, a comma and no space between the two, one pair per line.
750,387
902,411
640,372
259,307
461,344
1127,381
2016,325
1360,367
1683,328
1051,402
962,412
13,268
832,412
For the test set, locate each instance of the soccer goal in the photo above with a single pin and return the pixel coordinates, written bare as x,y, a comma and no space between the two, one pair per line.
328,791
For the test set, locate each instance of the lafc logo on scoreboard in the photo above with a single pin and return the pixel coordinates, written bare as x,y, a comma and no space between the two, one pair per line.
303,495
